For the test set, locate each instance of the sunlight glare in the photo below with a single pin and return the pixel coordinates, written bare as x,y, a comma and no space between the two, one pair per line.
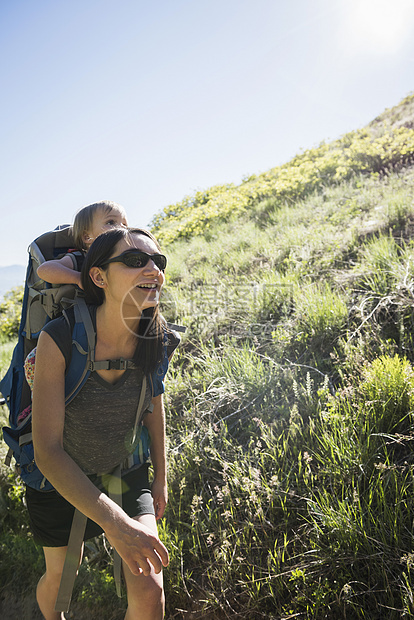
377,26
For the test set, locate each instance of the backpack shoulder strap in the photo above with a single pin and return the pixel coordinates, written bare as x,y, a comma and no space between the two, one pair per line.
82,361
83,350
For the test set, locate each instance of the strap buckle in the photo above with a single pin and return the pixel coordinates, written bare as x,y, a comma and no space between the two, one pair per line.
120,364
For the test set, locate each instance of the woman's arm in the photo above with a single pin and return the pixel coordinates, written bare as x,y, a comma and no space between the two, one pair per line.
136,544
155,423
59,271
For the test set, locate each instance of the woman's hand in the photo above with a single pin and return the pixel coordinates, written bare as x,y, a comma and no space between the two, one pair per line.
160,497
138,546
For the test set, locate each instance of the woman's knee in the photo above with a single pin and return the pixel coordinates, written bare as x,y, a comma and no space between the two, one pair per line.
146,593
55,558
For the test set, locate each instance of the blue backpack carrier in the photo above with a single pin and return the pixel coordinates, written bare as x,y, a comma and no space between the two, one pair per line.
43,302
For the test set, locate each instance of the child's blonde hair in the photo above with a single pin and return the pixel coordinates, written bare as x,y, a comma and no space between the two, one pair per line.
84,217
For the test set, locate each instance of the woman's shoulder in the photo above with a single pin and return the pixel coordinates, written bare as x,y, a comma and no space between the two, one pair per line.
56,326
61,329
61,333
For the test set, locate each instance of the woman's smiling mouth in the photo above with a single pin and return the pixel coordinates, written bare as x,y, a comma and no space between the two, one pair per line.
148,286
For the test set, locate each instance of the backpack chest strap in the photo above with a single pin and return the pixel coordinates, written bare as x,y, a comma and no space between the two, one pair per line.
119,364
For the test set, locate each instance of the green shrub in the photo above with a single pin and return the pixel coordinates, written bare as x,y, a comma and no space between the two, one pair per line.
387,388
321,312
10,312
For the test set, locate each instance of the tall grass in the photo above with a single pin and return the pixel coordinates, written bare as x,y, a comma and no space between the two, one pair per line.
269,519
362,504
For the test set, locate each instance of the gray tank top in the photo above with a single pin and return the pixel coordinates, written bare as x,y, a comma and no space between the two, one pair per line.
99,422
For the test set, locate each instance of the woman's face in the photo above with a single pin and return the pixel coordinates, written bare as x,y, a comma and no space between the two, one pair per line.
137,288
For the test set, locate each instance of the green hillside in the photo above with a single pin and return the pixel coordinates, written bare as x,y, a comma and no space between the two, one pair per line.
386,143
290,402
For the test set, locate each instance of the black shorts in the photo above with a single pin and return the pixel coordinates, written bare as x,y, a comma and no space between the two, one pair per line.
51,514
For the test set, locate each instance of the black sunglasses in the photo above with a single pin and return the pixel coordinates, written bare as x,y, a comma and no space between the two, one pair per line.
137,259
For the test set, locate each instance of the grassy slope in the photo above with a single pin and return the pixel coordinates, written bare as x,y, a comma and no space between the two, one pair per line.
274,471
386,143
289,408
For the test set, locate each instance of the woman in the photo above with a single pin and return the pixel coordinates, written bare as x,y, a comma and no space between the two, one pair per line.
122,278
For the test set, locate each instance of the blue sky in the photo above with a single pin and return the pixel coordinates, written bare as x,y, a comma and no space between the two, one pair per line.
145,102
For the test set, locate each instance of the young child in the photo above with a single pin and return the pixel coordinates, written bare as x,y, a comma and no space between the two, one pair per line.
89,223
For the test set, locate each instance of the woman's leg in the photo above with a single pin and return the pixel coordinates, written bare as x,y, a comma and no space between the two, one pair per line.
145,594
48,586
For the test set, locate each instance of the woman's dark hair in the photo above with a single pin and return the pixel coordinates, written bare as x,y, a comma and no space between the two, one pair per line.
152,325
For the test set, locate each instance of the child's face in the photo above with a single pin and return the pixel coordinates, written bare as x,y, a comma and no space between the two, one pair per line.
104,219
